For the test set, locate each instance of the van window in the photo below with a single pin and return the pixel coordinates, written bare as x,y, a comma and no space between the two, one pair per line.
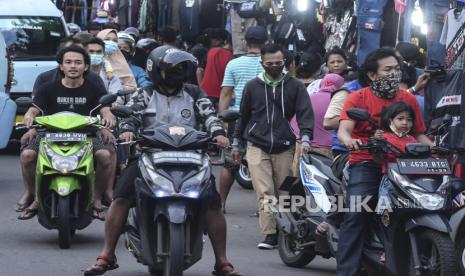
33,38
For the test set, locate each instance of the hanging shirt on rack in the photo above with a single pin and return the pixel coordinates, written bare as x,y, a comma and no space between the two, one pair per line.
451,26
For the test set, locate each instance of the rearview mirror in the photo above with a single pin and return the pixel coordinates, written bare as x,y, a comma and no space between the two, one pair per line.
108,99
229,116
121,111
24,101
417,150
358,114
123,93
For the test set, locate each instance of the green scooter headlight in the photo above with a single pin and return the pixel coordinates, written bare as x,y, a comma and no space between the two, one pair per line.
65,164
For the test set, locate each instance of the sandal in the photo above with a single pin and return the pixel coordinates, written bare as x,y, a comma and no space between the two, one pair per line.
99,269
29,213
19,208
222,270
97,213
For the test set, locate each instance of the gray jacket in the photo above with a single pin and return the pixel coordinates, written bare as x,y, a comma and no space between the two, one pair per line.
190,107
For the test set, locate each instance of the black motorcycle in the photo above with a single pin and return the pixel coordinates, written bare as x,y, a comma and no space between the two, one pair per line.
411,227
165,230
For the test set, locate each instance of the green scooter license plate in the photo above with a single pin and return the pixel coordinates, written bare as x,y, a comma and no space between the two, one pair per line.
65,137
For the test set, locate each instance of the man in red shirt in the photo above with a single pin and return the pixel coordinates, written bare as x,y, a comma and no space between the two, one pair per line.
217,59
382,71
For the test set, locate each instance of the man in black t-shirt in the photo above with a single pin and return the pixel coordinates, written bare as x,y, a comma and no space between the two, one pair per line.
56,75
73,93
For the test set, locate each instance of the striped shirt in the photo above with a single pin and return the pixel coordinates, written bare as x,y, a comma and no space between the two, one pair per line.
238,72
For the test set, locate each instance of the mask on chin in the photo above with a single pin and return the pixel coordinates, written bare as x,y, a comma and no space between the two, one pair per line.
387,86
397,132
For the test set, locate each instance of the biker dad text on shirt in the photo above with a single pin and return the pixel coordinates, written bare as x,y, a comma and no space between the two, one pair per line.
53,97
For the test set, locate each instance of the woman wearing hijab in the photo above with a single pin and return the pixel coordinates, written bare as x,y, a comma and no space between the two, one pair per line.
117,61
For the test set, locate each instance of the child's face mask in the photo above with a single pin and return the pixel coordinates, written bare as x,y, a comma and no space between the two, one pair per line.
400,133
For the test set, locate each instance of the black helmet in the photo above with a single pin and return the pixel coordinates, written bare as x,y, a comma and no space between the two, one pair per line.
167,57
147,44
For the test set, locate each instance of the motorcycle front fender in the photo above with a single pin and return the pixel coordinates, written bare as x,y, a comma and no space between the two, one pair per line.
176,212
457,219
64,185
432,221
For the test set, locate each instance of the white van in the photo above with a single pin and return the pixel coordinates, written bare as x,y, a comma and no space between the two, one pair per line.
33,28
7,106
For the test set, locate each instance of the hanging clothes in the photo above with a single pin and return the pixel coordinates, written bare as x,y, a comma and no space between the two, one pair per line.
123,13
452,37
189,12
165,13
211,14
444,94
400,6
135,7
239,26
145,19
176,22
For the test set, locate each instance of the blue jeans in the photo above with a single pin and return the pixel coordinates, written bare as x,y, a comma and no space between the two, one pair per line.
364,180
434,11
369,14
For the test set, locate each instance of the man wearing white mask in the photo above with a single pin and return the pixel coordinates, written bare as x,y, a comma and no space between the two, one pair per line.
96,50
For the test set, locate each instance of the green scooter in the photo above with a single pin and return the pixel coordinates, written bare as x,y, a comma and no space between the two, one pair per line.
65,176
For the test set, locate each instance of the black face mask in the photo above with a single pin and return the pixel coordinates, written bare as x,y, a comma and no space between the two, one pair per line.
174,78
127,55
274,71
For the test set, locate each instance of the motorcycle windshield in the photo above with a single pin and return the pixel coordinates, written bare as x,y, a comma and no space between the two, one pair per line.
176,137
66,121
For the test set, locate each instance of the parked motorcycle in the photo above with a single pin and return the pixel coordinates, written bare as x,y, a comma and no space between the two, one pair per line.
65,177
243,176
411,227
165,230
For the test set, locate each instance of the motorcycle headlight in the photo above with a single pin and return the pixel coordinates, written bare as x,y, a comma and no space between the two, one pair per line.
430,201
192,187
160,184
65,164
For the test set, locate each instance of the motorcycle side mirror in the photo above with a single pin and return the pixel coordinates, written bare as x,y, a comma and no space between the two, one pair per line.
358,114
123,93
229,116
121,111
417,150
24,101
107,99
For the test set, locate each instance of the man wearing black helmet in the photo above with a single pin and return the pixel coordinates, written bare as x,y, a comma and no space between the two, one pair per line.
170,100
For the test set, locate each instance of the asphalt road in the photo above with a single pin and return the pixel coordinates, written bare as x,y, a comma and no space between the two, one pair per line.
27,249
